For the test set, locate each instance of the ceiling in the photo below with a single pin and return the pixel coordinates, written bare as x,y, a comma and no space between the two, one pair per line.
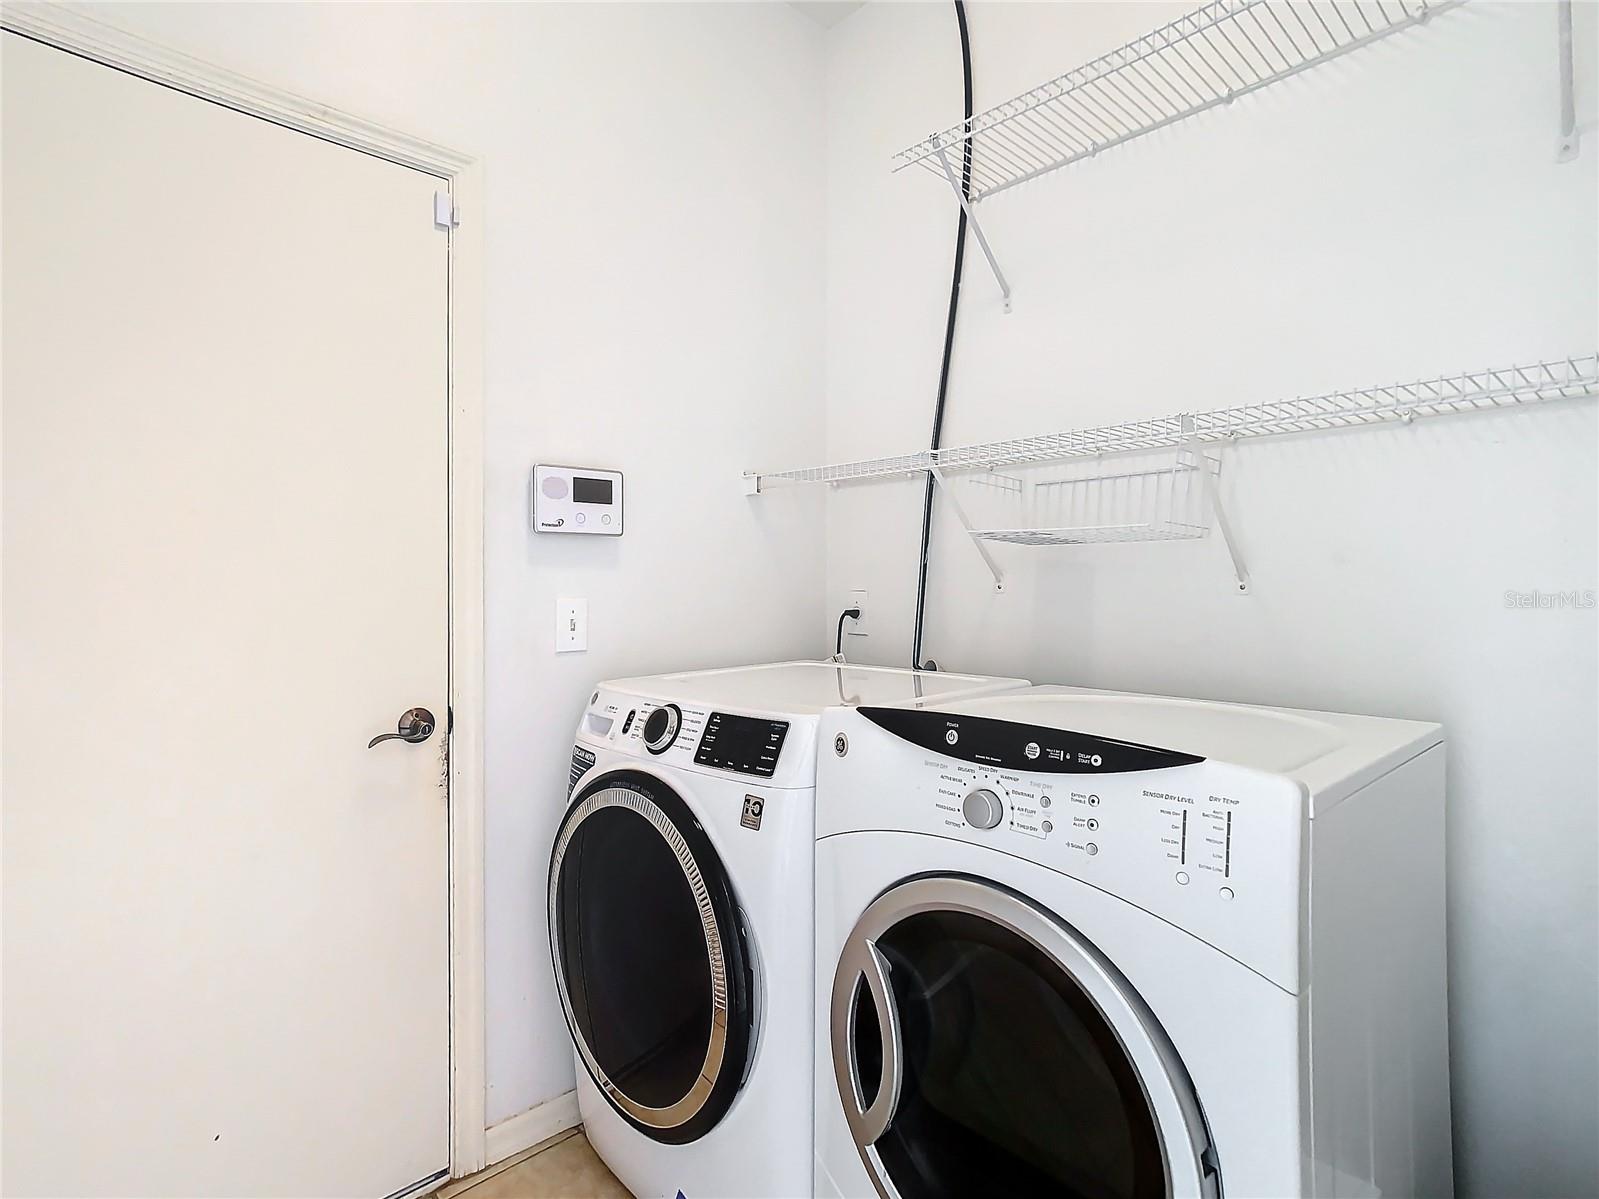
826,13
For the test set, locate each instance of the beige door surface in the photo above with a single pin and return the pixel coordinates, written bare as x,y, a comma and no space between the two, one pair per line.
225,465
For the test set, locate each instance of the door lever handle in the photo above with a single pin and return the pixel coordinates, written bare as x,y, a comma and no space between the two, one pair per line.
415,727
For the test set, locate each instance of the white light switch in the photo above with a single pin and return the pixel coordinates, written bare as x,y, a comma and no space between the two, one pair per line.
571,625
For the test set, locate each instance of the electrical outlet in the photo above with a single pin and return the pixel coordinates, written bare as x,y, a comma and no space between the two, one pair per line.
571,625
857,628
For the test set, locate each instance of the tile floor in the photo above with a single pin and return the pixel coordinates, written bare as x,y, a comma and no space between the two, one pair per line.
563,1167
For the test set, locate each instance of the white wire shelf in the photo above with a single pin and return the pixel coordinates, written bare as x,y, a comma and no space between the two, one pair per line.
1209,57
1090,534
1474,391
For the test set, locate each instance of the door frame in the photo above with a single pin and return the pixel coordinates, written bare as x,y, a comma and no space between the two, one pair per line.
461,175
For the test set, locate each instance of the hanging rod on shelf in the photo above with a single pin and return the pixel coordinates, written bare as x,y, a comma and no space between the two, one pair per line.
1209,57
1473,391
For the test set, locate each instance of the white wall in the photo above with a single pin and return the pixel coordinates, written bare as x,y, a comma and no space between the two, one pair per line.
1395,214
655,247
654,294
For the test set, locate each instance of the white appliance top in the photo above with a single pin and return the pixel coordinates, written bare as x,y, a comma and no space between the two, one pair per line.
798,689
756,723
1331,753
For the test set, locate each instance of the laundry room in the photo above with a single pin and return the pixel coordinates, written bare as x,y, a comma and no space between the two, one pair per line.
595,605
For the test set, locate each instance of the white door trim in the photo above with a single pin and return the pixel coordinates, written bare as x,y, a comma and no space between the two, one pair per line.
79,34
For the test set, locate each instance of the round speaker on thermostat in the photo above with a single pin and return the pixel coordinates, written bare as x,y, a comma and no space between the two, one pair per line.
554,487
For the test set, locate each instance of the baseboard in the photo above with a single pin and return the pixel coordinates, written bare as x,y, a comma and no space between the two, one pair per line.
528,1128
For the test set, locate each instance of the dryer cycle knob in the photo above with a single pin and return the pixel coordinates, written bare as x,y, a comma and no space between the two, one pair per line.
982,808
660,730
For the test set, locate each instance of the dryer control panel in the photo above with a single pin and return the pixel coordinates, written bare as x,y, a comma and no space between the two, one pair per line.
1211,847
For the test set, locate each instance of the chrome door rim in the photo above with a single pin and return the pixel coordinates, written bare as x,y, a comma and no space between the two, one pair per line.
695,1099
1179,1122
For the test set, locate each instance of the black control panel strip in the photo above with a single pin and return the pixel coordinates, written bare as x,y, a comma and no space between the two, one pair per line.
1012,746
746,744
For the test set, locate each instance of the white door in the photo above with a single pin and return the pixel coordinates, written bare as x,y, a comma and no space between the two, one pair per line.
225,570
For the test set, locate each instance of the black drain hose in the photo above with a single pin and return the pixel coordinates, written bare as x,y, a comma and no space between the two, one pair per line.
949,346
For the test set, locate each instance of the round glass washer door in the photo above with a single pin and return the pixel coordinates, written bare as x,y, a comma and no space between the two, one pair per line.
981,1046
652,963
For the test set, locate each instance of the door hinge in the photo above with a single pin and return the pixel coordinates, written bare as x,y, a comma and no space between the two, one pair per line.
446,213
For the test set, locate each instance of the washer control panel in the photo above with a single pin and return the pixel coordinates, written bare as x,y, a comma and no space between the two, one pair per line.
660,727
745,744
778,752
1209,846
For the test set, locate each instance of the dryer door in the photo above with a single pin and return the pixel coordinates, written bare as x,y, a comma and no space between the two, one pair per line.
981,1046
651,959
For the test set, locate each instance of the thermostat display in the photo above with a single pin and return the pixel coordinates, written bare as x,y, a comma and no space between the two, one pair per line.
569,499
591,491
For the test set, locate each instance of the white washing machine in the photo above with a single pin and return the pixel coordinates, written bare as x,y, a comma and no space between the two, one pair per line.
1075,943
680,918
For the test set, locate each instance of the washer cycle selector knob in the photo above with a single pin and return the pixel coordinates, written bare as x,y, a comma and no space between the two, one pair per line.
660,730
982,809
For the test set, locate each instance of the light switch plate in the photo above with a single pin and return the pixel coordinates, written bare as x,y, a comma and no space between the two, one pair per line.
571,625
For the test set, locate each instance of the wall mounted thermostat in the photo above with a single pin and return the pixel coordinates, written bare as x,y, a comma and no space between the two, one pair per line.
574,499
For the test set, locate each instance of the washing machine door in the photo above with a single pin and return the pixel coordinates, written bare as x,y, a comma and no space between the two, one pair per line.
652,961
982,1047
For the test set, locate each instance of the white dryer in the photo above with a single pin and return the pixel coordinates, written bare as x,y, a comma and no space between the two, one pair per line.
1076,943
680,918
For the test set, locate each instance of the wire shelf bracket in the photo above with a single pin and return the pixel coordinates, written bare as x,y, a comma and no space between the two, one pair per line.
1569,146
977,226
1203,59
966,523
1223,525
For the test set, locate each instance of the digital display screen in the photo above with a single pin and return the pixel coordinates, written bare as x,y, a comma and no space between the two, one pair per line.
590,491
742,743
